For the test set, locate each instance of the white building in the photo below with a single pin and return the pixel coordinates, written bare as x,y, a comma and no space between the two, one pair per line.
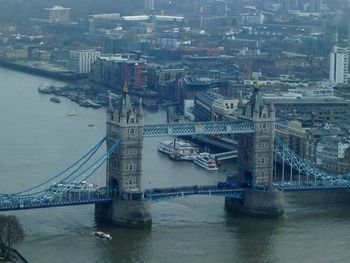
250,19
59,14
80,61
339,63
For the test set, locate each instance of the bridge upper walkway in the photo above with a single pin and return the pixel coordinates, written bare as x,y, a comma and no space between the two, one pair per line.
195,128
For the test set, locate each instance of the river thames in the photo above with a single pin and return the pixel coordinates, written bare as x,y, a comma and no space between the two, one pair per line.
38,140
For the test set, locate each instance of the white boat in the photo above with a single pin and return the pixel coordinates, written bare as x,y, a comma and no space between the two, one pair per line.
102,235
205,161
45,89
179,150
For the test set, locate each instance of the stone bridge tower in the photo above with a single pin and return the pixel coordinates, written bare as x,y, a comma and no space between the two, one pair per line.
255,159
124,168
256,149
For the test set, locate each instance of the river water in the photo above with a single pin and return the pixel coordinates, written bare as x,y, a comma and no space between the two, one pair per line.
38,140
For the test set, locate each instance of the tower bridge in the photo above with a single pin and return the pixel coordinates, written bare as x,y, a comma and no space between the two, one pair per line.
124,202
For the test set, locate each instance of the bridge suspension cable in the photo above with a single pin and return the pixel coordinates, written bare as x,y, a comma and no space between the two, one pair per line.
88,156
93,167
304,166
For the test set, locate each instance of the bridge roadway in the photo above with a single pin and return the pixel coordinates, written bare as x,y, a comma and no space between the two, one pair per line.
17,202
11,203
160,194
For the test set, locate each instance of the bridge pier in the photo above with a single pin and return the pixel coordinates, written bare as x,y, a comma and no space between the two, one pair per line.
255,157
257,203
125,213
125,124
130,213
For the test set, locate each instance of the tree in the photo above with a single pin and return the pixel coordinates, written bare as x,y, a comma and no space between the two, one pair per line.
11,232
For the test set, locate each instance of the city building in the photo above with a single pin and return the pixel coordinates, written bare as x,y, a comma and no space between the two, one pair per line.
339,63
209,105
80,61
294,135
119,43
59,14
250,19
317,5
333,154
320,109
291,4
103,21
149,5
159,76
12,53
118,70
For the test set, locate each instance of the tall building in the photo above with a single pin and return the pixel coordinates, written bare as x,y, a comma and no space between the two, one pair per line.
59,14
149,5
317,4
349,26
80,61
339,63
291,4
209,105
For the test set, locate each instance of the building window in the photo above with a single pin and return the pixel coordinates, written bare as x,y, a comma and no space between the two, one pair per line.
130,167
114,128
132,131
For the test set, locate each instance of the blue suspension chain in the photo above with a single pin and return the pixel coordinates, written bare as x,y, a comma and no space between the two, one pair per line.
93,150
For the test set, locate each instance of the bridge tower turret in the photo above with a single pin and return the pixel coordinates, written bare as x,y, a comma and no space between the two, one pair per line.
255,158
124,179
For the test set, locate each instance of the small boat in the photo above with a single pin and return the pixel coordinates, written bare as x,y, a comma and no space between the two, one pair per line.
71,114
56,100
205,161
91,125
102,235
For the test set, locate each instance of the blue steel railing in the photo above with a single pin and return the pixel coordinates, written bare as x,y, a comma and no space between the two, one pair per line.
10,202
161,194
307,186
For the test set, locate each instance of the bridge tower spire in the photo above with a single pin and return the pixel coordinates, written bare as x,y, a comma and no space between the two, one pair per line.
125,123
255,158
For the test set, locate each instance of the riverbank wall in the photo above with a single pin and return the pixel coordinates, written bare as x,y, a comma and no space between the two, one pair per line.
59,75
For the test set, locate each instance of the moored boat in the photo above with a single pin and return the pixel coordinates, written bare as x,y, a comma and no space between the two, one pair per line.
205,161
56,100
178,150
45,89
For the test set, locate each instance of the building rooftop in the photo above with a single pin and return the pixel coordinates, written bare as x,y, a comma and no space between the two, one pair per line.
58,7
311,100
